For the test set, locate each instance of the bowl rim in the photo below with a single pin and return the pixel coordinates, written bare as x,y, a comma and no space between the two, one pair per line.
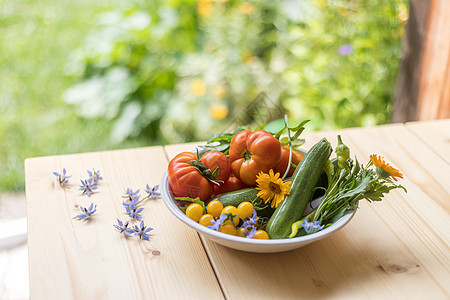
167,198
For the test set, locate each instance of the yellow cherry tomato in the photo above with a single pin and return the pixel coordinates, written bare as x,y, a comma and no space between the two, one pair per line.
228,229
245,210
261,234
233,210
214,208
194,211
241,231
205,220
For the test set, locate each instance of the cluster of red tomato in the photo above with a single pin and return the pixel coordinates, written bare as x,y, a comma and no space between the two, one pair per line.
215,173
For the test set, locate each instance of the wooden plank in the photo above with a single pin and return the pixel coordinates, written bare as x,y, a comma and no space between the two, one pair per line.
434,82
435,134
90,260
407,86
422,91
388,248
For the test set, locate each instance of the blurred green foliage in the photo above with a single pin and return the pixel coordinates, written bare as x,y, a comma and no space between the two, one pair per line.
167,64
135,73
36,38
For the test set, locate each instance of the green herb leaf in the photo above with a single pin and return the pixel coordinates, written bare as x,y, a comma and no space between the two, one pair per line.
188,200
279,133
215,172
358,187
223,137
299,126
224,148
261,126
284,141
297,143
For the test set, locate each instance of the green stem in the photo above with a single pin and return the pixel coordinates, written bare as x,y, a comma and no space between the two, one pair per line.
290,148
325,199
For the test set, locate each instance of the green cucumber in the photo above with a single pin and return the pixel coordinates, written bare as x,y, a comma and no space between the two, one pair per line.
304,180
323,179
249,194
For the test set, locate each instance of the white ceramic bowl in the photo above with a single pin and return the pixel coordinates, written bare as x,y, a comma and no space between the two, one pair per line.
244,244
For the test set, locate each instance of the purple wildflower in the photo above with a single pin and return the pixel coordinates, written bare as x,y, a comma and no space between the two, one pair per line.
345,50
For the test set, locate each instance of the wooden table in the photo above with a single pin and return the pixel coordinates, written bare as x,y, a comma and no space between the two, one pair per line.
397,248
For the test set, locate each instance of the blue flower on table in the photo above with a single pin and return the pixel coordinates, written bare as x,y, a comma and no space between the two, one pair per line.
123,228
95,176
130,201
131,195
133,212
142,231
87,186
63,179
86,212
152,192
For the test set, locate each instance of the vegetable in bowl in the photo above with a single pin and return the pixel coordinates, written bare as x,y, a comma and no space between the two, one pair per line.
278,202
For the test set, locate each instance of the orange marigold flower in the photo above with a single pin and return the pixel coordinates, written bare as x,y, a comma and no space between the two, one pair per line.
384,169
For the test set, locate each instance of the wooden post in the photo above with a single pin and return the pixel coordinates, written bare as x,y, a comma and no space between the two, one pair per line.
434,92
423,84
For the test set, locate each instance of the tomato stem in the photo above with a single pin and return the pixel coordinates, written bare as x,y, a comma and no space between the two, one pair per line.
247,155
205,172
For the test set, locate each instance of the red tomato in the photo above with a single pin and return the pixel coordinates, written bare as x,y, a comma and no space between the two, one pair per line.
215,159
282,165
233,184
253,152
190,177
185,180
